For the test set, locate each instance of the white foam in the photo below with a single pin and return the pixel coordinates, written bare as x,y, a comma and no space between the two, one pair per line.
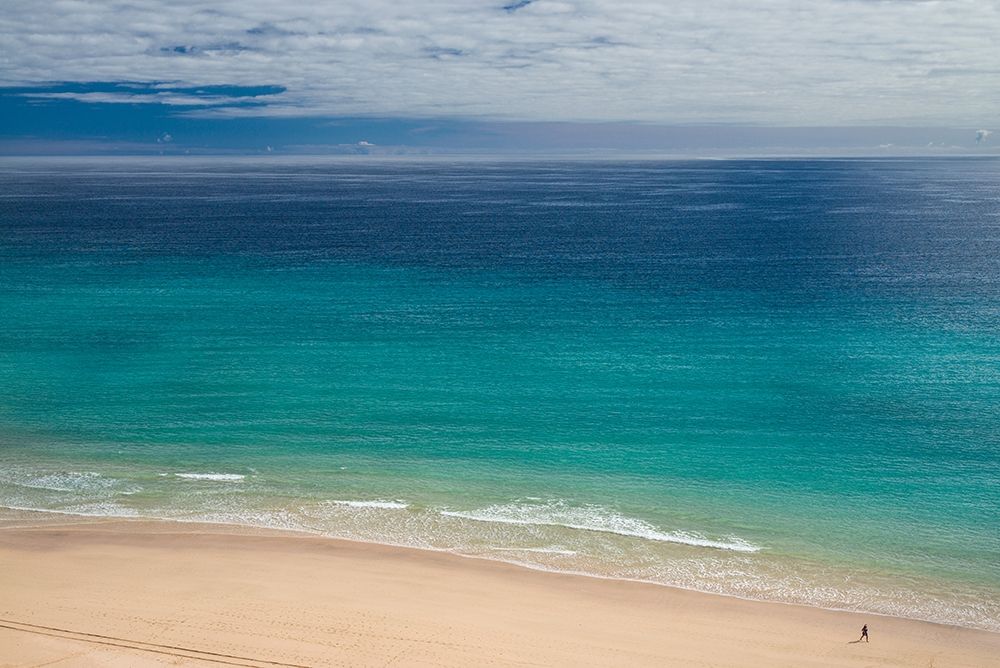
593,518
538,550
64,481
219,477
101,509
86,510
385,505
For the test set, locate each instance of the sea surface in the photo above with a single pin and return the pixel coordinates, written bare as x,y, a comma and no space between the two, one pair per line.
775,379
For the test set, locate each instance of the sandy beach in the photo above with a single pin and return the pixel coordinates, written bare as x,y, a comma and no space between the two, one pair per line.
89,592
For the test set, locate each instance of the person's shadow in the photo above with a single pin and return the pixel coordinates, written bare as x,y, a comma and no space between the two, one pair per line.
853,642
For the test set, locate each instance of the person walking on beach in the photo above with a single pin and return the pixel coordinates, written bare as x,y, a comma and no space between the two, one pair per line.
864,634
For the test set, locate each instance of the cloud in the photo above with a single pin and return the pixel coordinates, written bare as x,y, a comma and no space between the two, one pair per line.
773,62
173,99
982,135
159,93
518,4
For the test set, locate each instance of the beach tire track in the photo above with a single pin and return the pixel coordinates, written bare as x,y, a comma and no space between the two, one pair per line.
142,646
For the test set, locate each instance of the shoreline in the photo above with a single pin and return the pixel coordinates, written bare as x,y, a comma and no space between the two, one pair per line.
188,585
238,528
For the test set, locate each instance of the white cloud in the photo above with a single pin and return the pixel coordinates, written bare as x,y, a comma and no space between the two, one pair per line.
782,62
173,99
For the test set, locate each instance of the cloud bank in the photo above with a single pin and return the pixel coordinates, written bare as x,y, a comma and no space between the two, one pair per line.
770,62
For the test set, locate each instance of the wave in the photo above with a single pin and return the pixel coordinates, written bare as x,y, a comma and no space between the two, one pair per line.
63,481
220,477
538,550
593,518
385,505
83,510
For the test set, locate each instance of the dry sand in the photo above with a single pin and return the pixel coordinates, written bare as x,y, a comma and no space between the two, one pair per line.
134,593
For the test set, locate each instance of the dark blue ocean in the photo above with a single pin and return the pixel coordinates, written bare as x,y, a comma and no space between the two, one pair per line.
777,379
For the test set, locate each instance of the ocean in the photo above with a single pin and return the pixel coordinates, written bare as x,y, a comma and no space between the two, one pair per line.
774,379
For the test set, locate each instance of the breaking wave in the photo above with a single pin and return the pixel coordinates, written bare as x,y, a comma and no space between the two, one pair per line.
219,477
593,518
383,505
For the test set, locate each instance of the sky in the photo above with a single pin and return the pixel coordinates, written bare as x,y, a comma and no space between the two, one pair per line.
390,76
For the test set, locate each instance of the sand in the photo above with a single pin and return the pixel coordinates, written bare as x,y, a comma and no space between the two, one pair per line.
135,593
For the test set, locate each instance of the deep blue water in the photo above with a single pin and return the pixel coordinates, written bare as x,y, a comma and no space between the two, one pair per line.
776,379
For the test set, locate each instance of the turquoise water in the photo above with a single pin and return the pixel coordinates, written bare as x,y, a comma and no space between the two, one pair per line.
774,379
